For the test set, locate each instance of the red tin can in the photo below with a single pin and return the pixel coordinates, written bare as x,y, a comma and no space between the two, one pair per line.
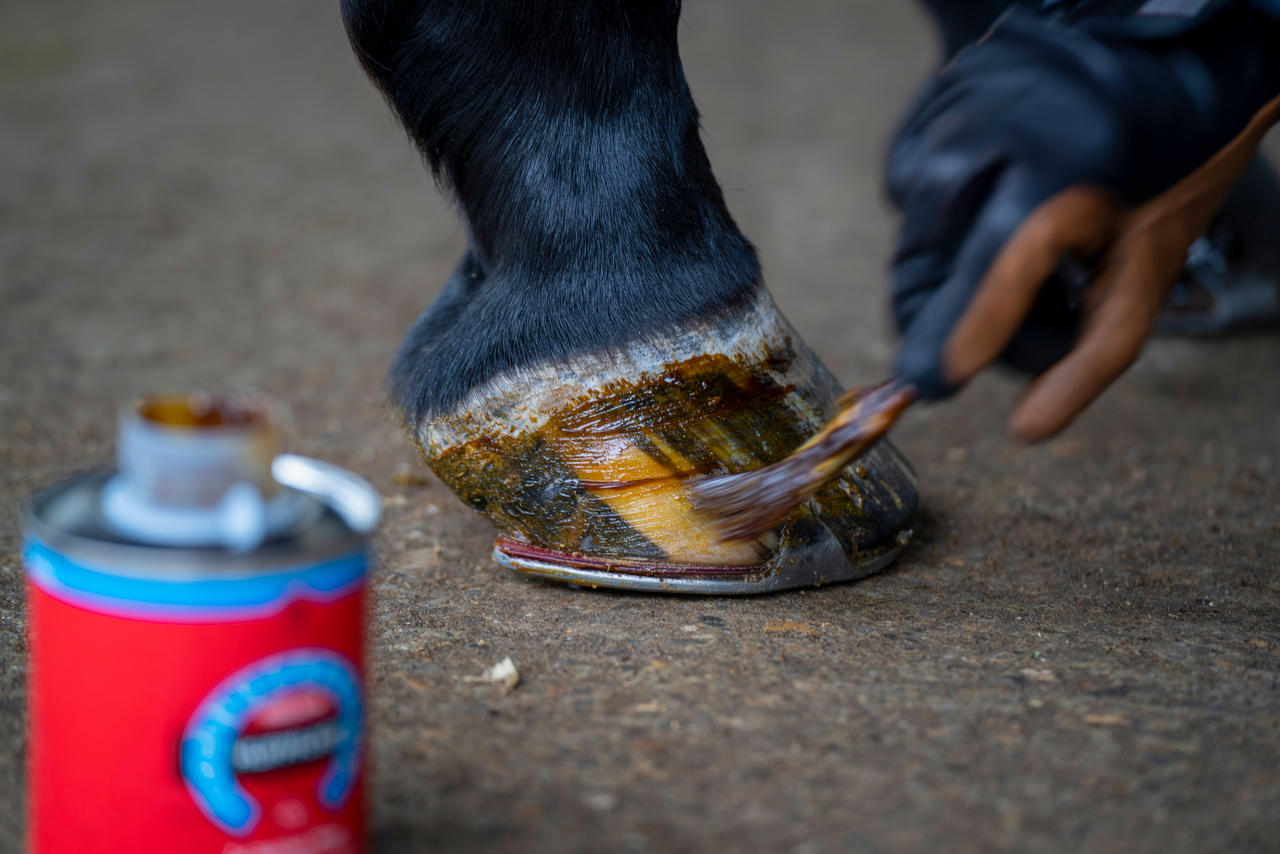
205,696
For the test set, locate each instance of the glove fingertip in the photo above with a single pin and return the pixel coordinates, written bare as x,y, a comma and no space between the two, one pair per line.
922,369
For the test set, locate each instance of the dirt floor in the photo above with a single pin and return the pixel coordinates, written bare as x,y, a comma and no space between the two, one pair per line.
1080,651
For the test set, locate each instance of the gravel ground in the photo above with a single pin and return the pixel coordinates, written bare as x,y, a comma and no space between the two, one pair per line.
1080,651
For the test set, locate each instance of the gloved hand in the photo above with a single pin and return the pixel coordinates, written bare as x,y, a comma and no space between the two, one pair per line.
1050,181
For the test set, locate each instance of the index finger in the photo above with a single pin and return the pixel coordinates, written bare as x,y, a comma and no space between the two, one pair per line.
1081,219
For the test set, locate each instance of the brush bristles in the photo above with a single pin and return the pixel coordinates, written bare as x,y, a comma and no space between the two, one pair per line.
746,505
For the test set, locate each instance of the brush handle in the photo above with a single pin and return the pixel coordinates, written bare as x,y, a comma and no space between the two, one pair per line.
865,416
746,505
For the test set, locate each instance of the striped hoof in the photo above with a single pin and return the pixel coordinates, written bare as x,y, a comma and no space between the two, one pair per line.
584,466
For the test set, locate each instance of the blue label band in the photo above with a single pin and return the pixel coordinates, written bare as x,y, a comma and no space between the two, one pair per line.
211,734
190,600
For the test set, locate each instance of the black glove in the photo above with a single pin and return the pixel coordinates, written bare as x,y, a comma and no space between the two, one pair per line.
1050,181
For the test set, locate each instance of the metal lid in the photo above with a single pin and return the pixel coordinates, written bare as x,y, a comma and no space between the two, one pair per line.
340,511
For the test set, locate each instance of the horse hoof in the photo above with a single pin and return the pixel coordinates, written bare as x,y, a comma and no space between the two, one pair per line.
584,465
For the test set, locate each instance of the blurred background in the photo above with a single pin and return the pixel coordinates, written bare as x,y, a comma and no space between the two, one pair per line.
1080,650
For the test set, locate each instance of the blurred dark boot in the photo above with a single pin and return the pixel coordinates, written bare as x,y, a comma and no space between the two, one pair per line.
1232,278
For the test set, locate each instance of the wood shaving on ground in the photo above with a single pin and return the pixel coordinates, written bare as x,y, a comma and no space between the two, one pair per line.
1039,675
406,477
504,673
789,627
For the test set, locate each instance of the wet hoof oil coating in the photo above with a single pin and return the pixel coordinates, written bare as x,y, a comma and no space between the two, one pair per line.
585,466
197,643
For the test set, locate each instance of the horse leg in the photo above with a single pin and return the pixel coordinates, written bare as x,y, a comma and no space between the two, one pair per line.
608,336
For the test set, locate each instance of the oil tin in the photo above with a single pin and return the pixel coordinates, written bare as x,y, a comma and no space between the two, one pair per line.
197,625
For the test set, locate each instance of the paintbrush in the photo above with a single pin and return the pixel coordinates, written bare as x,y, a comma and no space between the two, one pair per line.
745,505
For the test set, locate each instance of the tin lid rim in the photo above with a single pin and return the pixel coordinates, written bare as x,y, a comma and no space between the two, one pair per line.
167,562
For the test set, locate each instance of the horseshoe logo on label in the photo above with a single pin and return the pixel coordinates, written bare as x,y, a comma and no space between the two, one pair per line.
215,749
